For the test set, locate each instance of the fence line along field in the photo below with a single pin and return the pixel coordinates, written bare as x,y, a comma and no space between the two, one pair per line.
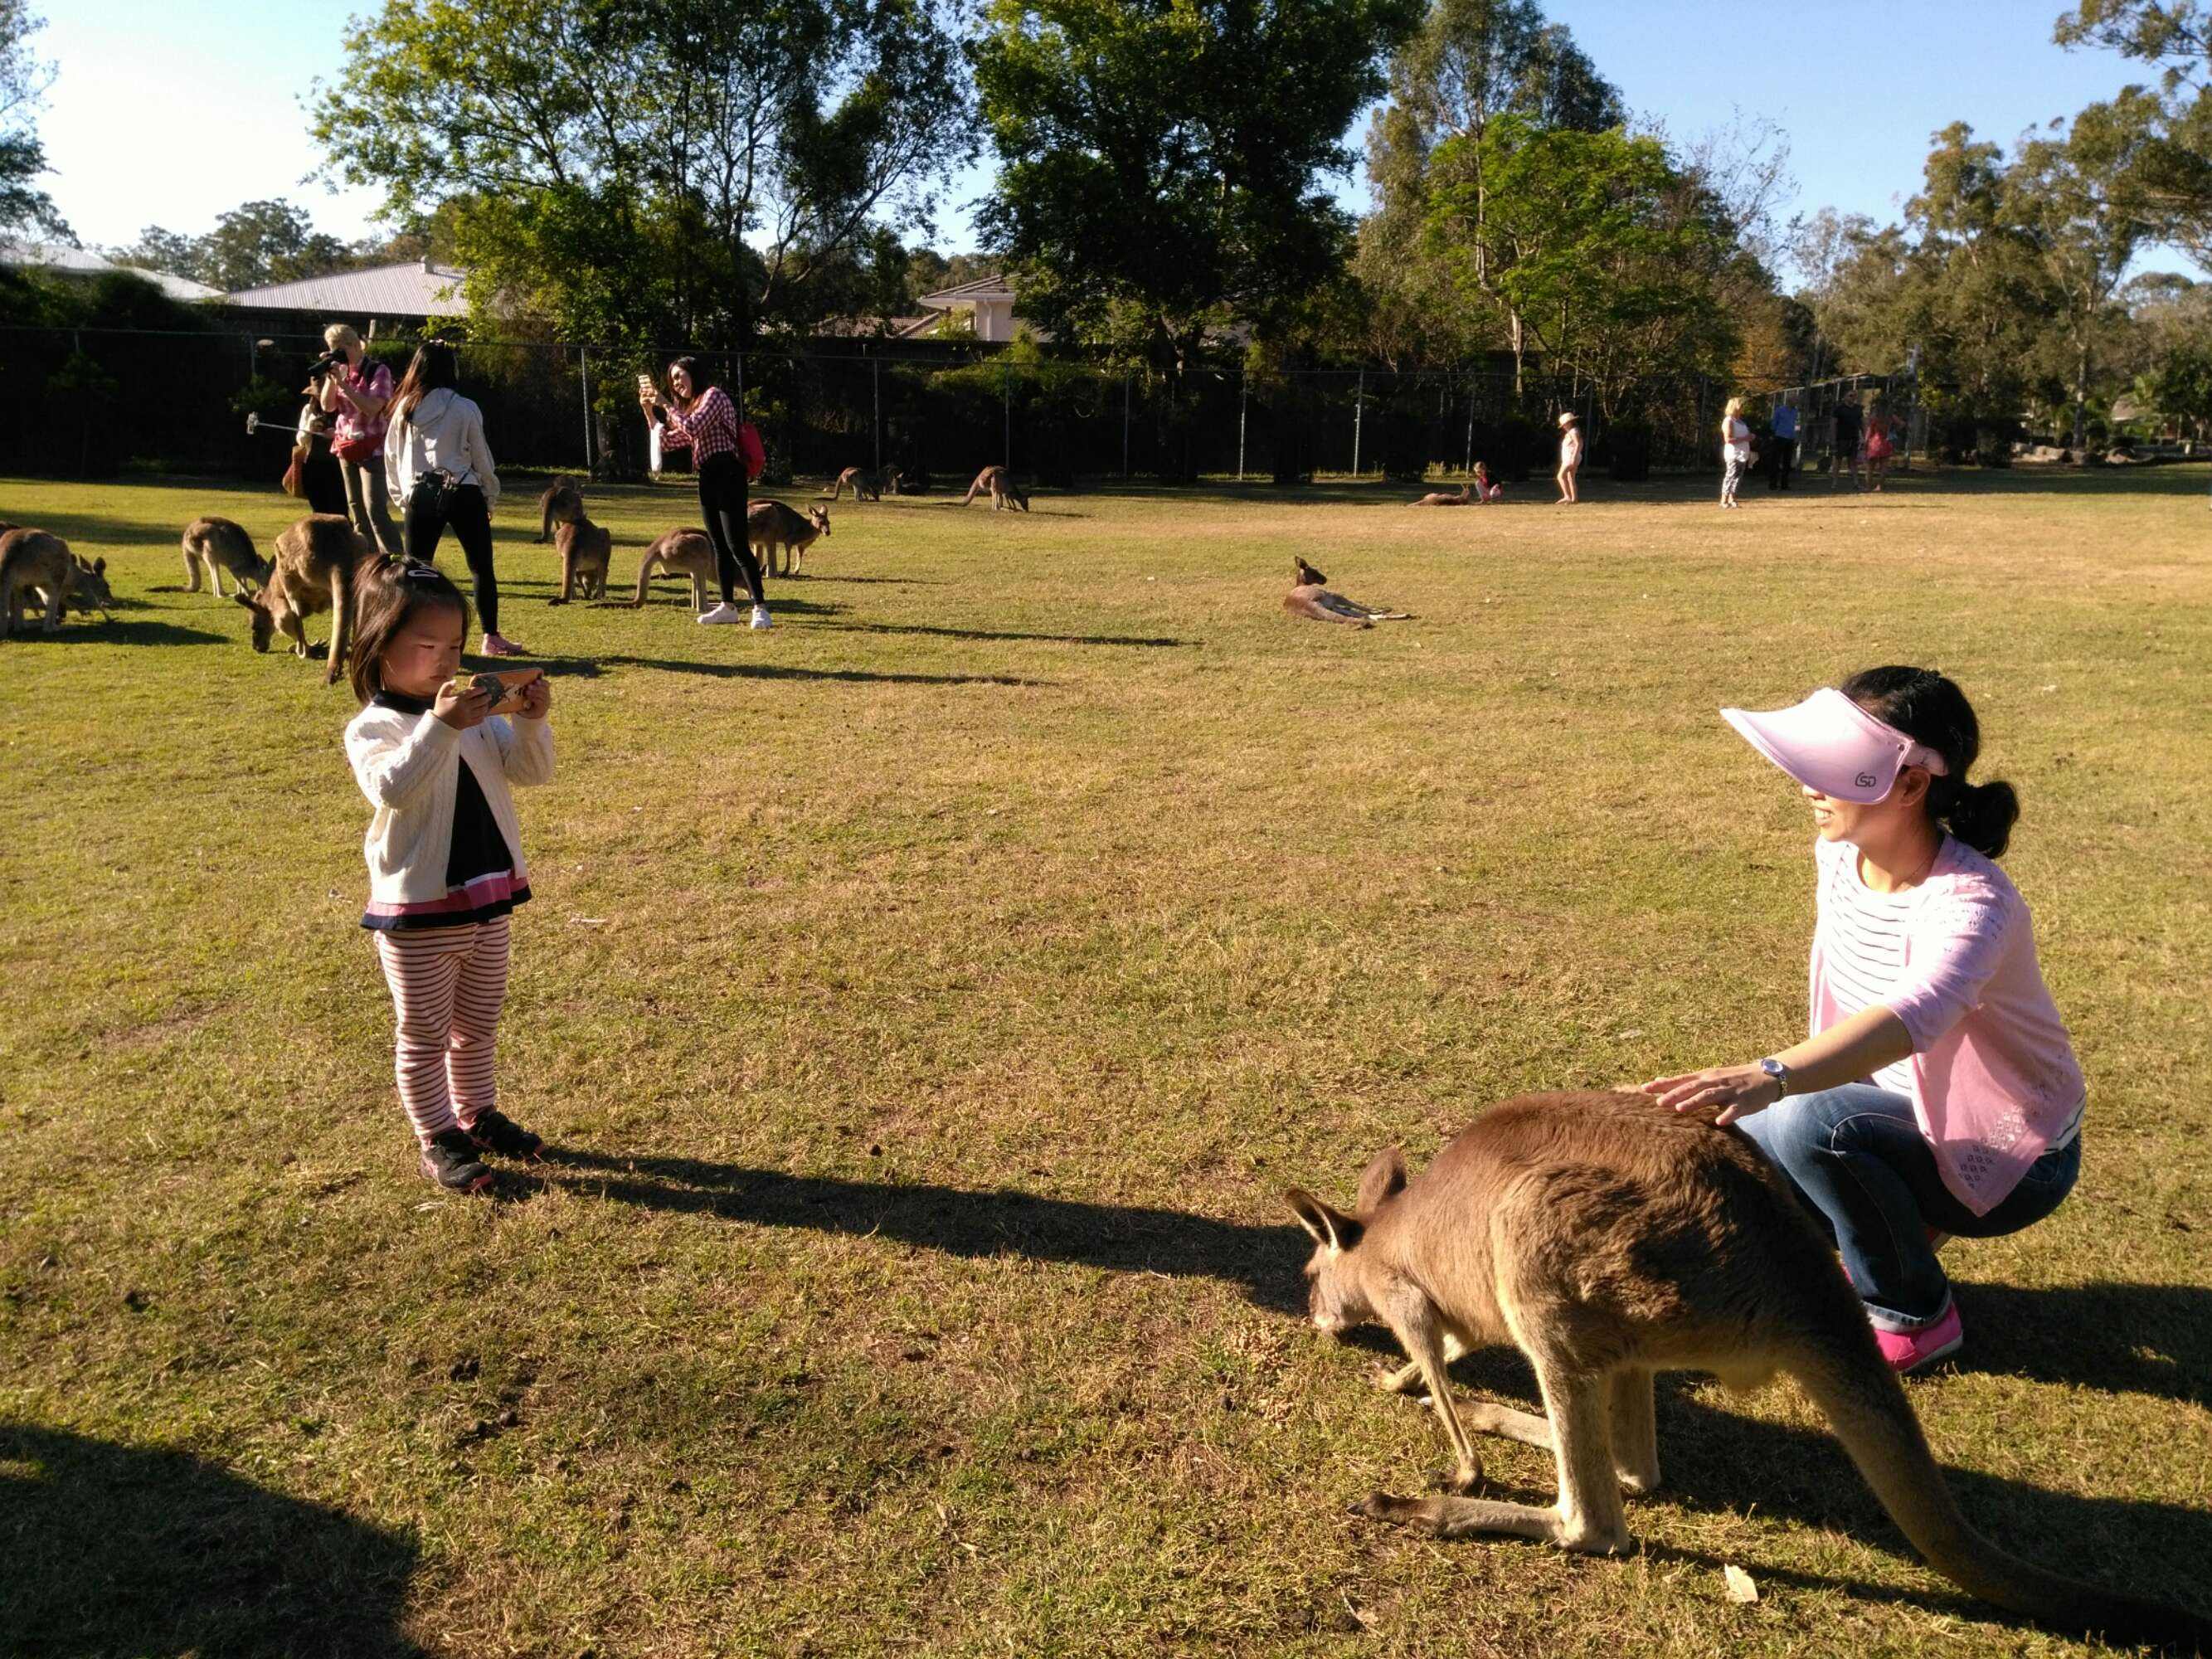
928,1000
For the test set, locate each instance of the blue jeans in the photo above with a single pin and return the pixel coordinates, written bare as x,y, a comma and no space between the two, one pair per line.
1859,1163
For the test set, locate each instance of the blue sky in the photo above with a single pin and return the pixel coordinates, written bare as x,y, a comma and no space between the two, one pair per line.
170,113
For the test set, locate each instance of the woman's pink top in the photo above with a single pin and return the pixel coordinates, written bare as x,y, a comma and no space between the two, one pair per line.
1992,1076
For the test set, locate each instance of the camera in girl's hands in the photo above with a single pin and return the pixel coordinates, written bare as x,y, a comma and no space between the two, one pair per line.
507,690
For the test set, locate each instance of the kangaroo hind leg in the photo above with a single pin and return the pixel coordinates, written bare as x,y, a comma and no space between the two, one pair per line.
1634,1432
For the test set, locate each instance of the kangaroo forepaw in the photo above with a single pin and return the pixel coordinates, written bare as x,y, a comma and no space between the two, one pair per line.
1398,1511
1396,1379
1466,1478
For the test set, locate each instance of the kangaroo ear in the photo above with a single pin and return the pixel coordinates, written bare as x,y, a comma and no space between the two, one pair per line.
100,566
1385,1178
1330,1227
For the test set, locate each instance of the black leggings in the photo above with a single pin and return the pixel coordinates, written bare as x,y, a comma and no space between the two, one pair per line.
426,521
722,500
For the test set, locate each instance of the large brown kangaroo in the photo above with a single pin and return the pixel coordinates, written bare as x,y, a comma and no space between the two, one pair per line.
561,504
1312,599
317,562
1000,483
1608,1238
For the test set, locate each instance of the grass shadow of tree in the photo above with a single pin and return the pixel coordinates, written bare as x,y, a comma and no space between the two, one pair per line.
111,1549
992,634
129,631
763,671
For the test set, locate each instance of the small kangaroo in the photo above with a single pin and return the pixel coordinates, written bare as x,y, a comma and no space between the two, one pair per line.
680,552
221,546
868,484
771,525
561,504
1000,483
35,564
1311,599
318,560
1608,1238
586,552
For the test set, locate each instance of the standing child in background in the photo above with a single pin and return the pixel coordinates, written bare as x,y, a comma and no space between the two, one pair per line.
1879,444
1571,457
445,860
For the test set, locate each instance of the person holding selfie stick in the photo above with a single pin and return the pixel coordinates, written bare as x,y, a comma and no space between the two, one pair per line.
703,420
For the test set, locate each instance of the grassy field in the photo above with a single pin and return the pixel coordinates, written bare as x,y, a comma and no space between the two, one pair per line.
930,999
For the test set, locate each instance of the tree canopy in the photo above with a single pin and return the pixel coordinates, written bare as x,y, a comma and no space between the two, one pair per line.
24,78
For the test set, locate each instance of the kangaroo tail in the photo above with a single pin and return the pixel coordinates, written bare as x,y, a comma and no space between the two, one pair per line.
972,488
645,567
342,617
1864,1400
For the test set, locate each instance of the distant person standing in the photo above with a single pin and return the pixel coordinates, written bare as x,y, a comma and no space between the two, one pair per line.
358,393
1848,438
1735,449
1571,457
1784,427
1879,445
437,464
702,419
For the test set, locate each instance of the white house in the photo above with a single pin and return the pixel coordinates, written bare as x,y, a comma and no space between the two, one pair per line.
988,299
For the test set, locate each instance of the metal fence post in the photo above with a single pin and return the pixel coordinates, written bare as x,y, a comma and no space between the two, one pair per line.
1007,393
1359,413
1125,426
876,378
584,370
1243,398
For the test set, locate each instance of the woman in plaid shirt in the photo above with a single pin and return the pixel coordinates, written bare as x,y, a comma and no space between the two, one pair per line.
706,423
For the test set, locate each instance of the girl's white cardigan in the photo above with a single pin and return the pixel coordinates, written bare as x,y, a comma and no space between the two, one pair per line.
405,764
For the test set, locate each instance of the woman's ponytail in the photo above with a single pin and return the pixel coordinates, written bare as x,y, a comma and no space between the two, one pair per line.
1932,711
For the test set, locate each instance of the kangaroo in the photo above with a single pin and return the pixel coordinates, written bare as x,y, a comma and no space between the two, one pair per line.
680,552
35,564
1311,599
318,561
586,552
868,484
562,502
1000,483
1446,498
771,525
221,546
1608,1238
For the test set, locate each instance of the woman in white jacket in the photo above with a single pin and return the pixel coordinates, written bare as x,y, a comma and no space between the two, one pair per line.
438,467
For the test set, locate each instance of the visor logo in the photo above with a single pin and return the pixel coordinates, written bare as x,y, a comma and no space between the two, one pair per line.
1865,780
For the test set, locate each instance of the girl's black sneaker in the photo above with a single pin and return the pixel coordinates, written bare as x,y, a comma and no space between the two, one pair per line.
449,1158
494,1132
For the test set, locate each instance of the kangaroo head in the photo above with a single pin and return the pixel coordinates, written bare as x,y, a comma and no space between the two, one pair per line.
1336,1289
1308,577
264,621
819,517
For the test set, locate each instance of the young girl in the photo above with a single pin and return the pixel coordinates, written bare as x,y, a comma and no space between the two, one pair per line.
1938,1093
1878,447
1571,458
1735,449
445,858
1485,491
703,420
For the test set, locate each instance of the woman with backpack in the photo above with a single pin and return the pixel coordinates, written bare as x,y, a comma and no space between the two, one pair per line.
438,467
728,454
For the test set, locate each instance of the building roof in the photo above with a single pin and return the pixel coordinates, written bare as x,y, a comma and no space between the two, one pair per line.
84,262
415,288
993,287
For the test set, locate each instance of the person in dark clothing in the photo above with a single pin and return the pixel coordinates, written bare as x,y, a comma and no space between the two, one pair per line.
1847,429
703,420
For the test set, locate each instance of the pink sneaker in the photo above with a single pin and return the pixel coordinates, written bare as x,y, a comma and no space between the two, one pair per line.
1912,1351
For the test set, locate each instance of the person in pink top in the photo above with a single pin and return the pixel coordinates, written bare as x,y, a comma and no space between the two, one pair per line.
1938,1093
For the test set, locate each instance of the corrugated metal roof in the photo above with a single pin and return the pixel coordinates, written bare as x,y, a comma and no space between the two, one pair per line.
84,262
983,288
418,288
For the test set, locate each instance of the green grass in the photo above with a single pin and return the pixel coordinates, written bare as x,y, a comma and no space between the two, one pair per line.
934,995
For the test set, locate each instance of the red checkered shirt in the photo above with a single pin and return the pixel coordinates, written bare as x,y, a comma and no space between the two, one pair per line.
710,429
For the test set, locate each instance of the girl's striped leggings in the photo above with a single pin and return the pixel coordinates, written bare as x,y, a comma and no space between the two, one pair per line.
448,984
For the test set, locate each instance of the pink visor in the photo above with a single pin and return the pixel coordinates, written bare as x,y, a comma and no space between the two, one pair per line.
1831,745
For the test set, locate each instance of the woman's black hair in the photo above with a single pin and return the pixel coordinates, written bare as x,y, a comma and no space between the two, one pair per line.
1932,710
690,365
435,365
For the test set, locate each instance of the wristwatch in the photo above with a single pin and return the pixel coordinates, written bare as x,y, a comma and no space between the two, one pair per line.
1775,1069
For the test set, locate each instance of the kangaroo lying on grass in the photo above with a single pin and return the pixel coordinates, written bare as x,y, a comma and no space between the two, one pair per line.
561,504
36,565
771,525
586,552
318,560
1313,601
1000,483
221,546
868,484
1608,1238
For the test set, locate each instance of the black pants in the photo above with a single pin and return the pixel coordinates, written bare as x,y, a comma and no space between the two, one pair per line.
427,518
1786,452
722,500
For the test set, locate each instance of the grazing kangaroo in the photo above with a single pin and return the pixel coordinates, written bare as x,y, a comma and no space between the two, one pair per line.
680,552
36,565
586,553
318,561
868,484
771,525
221,546
1313,601
1000,483
561,504
1608,1238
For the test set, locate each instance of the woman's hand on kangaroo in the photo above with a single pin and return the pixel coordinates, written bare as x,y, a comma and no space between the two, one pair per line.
1728,1092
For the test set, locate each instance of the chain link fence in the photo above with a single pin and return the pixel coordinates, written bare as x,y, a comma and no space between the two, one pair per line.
92,402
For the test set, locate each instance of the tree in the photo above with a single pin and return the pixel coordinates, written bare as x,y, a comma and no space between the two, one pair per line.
1159,163
23,82
722,162
2165,130
254,244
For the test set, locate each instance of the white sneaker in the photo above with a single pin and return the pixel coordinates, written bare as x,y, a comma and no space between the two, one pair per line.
724,612
760,617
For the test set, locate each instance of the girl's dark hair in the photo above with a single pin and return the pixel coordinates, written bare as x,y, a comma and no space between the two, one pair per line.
388,593
1931,710
435,365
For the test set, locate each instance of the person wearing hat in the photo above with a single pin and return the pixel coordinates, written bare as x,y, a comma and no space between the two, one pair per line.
1571,455
1938,1093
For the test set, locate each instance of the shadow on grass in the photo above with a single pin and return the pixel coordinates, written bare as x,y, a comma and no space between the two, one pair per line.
2119,1339
1263,1260
766,670
107,1549
118,633
991,633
